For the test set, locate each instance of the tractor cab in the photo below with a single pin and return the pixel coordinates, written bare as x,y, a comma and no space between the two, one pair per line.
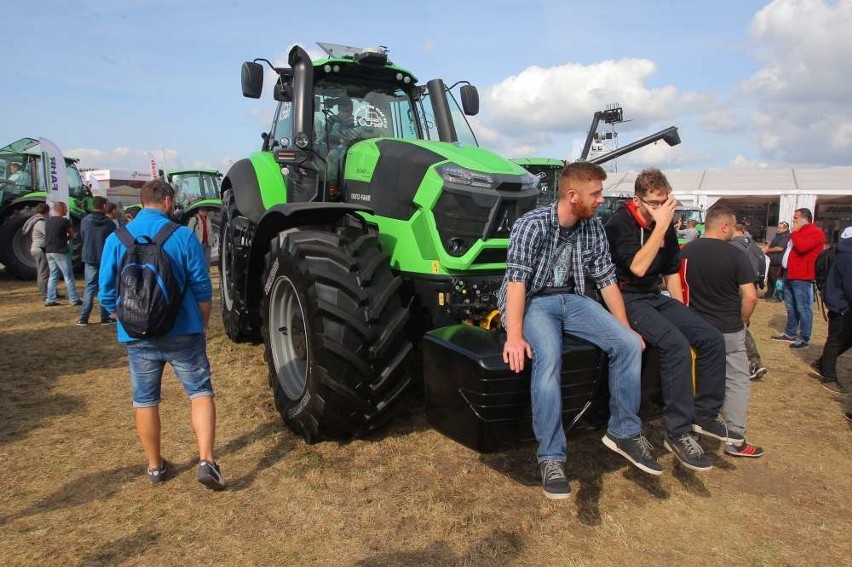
327,107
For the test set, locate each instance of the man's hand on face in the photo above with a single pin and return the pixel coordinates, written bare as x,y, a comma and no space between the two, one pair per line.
664,214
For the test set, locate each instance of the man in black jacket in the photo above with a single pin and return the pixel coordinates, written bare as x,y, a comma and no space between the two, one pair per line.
775,251
94,230
838,299
645,250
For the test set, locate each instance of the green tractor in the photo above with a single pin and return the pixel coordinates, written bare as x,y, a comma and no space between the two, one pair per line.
22,187
340,249
197,189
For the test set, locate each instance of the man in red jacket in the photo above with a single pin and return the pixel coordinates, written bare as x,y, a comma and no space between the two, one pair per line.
806,242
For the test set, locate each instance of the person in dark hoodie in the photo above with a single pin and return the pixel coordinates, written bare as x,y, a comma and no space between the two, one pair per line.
644,247
94,229
838,300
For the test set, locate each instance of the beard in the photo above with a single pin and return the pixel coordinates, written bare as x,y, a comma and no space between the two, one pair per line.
583,211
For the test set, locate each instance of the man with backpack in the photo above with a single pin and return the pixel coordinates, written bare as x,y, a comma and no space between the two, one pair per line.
757,261
35,228
775,251
806,242
154,278
837,295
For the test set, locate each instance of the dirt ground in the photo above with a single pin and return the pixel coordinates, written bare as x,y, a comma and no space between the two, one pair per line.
73,490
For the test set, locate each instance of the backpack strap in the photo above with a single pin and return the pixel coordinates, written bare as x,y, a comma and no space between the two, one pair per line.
125,237
164,233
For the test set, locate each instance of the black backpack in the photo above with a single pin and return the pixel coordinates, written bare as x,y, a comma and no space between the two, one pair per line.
822,266
149,296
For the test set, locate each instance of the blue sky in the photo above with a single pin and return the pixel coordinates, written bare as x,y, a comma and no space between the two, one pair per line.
749,84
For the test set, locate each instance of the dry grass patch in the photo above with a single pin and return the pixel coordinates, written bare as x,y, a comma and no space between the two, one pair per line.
74,492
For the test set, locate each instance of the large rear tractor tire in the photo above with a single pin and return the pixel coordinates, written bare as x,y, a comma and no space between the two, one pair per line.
233,263
15,245
334,331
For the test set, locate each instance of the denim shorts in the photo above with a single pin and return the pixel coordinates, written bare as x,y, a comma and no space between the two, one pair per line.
186,353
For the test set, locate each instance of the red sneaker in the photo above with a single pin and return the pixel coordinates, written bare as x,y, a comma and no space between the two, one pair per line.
745,449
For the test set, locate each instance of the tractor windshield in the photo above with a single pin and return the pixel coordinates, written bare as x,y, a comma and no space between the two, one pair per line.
463,130
344,114
191,186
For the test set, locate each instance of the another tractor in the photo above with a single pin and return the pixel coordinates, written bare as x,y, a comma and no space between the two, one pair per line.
22,187
197,189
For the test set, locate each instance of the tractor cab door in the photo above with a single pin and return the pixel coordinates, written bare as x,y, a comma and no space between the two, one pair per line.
305,178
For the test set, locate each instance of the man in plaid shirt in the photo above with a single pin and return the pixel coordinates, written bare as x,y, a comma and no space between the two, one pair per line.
551,252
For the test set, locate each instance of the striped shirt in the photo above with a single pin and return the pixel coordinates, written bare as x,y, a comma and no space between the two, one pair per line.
531,257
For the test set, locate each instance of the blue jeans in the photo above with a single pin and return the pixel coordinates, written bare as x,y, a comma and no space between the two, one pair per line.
60,264
799,300
546,318
91,271
186,353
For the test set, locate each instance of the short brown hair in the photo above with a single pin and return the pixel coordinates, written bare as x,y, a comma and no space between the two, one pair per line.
154,191
99,203
717,213
582,171
651,180
42,209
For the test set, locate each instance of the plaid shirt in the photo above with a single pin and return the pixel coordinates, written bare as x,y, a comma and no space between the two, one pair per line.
531,254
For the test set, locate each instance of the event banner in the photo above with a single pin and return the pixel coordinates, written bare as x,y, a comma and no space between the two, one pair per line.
55,174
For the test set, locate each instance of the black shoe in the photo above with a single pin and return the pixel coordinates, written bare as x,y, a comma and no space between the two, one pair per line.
715,428
81,323
783,337
637,450
554,483
77,302
799,344
108,321
848,415
156,476
210,476
688,451
51,303
757,371
833,386
815,371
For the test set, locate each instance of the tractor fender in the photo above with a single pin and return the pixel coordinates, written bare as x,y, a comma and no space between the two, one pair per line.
23,201
282,217
242,180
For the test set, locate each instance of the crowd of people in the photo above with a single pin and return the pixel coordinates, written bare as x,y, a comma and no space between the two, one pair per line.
692,303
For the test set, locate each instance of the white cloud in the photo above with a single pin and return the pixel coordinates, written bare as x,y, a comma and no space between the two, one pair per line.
742,162
803,89
126,159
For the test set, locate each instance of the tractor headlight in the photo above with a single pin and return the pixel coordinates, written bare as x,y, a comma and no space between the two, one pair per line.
455,175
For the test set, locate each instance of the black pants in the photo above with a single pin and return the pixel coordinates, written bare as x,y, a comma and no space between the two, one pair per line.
837,342
772,274
672,327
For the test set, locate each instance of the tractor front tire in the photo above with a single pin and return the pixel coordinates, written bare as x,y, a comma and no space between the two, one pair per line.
334,331
233,264
15,245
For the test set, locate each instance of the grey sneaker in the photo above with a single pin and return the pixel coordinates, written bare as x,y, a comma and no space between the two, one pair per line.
156,476
799,344
210,476
688,451
554,483
783,337
757,371
715,428
637,450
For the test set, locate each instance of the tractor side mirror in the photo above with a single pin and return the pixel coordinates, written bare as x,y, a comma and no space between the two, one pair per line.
252,79
470,100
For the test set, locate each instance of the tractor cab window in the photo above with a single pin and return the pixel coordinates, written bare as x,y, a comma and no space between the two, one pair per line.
463,130
346,114
76,187
192,186
282,128
15,174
